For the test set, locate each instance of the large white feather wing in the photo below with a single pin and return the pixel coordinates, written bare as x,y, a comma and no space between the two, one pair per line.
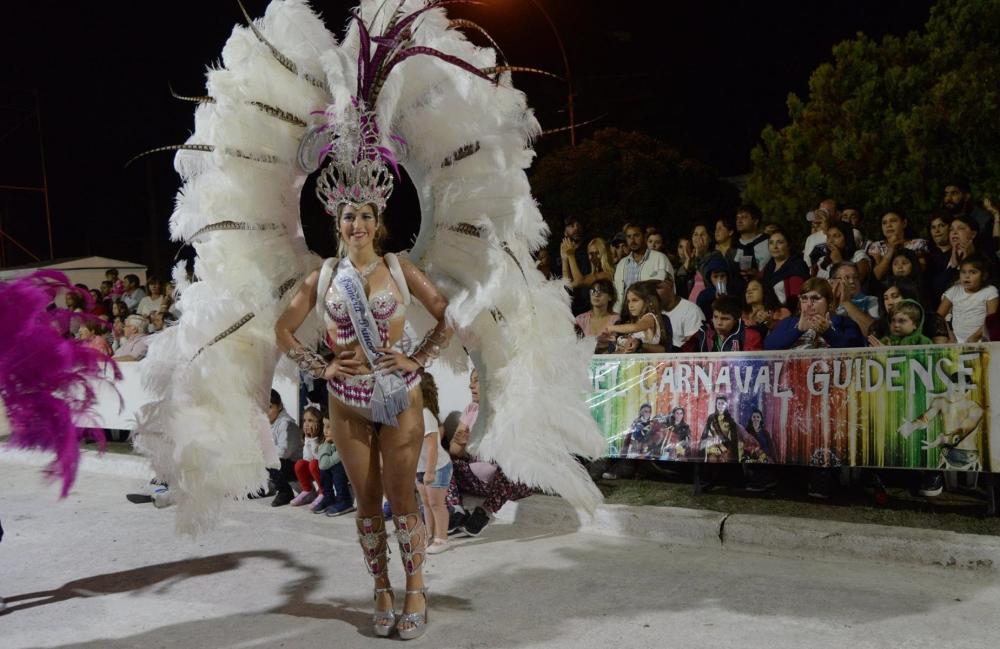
206,433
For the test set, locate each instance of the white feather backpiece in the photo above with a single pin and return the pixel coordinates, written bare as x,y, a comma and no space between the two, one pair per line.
467,145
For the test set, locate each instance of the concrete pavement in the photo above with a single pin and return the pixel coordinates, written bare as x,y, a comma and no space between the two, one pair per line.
96,571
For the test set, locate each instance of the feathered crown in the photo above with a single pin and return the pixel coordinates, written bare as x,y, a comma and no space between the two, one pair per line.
359,167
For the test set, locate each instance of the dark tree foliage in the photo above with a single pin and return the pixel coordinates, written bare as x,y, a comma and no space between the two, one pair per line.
619,177
886,124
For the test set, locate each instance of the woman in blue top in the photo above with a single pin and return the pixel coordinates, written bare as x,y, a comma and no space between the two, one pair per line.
815,325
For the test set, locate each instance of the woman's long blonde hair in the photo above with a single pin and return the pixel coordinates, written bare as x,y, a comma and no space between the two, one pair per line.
604,252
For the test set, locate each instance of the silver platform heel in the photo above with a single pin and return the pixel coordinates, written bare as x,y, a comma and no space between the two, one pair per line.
412,537
418,620
375,546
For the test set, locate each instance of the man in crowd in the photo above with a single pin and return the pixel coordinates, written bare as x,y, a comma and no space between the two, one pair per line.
619,247
133,346
287,438
640,264
821,218
852,215
573,232
752,253
861,308
958,202
685,316
133,293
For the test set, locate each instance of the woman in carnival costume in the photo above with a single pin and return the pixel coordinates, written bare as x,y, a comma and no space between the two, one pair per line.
403,88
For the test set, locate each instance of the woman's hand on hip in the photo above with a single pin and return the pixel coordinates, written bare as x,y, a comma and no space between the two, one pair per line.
343,365
394,361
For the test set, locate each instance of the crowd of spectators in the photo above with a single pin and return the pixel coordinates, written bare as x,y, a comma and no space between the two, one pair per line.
123,314
740,283
743,284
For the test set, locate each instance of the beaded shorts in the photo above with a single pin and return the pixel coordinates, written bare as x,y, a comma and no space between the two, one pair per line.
357,390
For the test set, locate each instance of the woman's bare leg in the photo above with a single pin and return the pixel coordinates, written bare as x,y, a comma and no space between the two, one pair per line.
400,446
358,448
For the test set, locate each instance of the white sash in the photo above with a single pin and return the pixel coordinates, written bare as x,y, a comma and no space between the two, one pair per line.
389,395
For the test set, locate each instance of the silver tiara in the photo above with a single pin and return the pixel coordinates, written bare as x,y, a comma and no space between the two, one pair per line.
357,171
366,181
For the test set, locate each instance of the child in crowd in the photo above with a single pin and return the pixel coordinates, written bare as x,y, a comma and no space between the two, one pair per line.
934,327
336,499
970,301
117,285
726,332
641,327
906,322
905,265
433,470
307,469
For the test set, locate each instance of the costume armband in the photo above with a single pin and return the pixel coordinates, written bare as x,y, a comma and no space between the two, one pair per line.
308,361
432,344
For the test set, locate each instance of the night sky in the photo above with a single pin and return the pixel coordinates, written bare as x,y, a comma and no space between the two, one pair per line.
705,76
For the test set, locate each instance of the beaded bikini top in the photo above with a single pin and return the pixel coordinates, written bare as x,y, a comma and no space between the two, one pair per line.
383,304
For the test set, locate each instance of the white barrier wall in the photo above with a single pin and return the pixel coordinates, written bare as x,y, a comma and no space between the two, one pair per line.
118,402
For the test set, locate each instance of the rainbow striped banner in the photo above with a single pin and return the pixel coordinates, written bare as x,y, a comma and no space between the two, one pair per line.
921,407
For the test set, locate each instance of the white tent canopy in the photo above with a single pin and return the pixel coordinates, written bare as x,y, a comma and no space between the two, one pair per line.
80,270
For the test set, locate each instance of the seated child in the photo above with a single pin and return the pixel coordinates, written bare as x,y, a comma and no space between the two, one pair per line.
307,469
906,322
336,499
726,332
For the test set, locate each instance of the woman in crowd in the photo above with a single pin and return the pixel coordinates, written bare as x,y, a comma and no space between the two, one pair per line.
154,300
307,468
473,476
964,235
641,326
725,236
934,326
896,233
433,470
119,309
93,336
938,278
685,269
786,271
599,256
375,403
971,301
594,322
762,309
815,325
654,240
99,309
841,246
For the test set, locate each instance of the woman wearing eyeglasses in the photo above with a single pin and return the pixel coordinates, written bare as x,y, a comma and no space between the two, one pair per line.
593,322
815,325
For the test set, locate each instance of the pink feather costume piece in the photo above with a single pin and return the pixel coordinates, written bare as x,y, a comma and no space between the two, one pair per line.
47,378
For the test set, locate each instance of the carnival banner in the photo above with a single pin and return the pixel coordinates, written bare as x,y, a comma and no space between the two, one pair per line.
921,407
